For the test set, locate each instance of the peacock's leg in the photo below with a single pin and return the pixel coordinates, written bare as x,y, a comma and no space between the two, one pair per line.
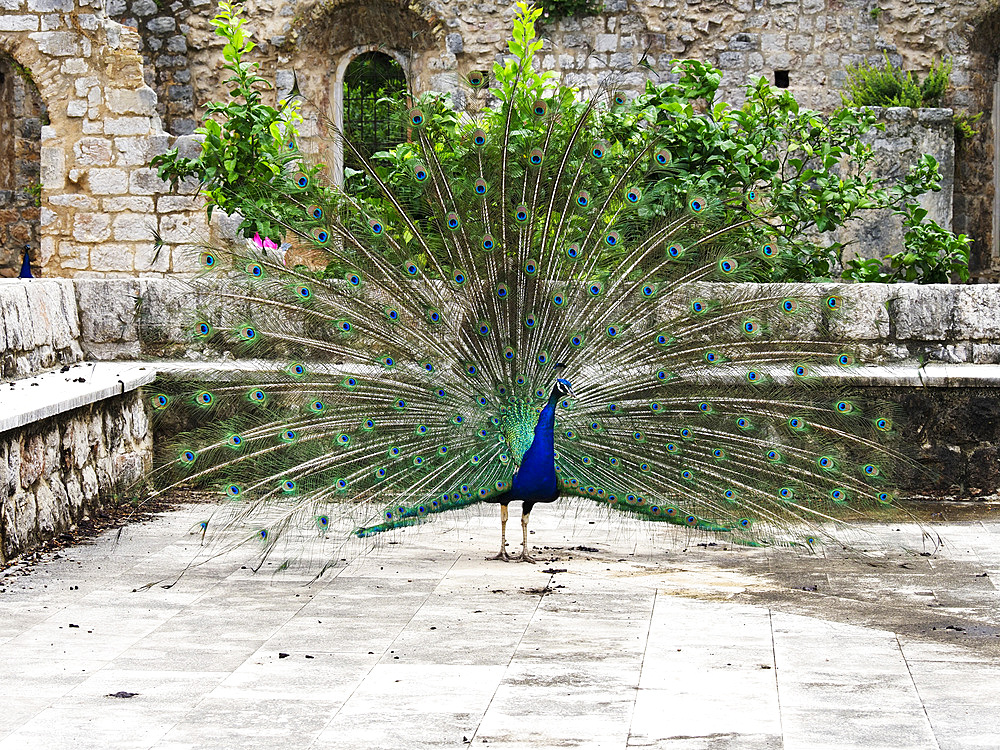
525,557
502,555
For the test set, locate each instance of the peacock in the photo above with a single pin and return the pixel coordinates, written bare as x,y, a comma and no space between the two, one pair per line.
505,309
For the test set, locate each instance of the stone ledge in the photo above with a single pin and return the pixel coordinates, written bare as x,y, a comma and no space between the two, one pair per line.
46,395
932,375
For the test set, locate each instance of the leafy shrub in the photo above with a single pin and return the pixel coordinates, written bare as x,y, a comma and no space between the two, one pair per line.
247,144
931,254
888,86
965,125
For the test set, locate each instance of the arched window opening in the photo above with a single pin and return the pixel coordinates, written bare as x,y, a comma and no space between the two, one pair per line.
22,115
373,82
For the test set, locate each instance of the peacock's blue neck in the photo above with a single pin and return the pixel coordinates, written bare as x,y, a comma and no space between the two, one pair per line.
544,430
535,481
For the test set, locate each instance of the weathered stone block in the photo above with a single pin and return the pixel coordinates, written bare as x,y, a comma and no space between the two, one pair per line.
454,43
19,522
184,259
127,125
146,182
56,43
32,460
17,331
107,181
91,227
18,23
74,495
149,257
131,227
52,163
169,203
606,43
977,311
137,203
88,479
189,146
74,256
183,228
50,6
92,151
732,60
922,312
140,101
13,465
52,309
109,256
161,25
75,443
76,108
865,316
107,311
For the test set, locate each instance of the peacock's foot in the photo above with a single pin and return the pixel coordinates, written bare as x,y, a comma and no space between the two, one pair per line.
501,555
525,557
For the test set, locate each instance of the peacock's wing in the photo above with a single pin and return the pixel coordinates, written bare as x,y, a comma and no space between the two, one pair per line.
726,415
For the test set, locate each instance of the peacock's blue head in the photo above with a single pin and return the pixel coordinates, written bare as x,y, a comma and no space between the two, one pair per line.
563,387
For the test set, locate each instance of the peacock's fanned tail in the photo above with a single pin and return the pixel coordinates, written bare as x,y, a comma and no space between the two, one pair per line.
408,383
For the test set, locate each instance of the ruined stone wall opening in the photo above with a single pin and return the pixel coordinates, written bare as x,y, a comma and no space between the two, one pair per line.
22,114
366,78
373,82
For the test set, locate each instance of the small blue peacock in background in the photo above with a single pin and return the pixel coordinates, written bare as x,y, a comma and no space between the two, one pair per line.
511,311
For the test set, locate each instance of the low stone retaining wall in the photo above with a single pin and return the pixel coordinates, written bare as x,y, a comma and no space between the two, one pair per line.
66,439
39,326
45,322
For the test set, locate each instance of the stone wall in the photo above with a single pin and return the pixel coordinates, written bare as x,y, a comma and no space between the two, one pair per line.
39,326
163,29
55,472
100,202
908,134
955,423
49,322
438,42
814,40
976,200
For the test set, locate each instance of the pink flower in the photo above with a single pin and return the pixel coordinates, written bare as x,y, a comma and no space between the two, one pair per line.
264,244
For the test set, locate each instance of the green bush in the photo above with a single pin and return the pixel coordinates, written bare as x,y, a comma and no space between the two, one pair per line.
930,255
888,86
247,144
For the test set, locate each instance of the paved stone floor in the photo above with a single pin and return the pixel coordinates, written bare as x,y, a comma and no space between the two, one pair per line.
620,637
